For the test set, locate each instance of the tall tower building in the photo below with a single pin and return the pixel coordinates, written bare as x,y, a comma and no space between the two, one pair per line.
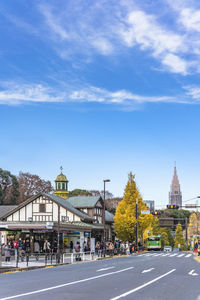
61,185
175,195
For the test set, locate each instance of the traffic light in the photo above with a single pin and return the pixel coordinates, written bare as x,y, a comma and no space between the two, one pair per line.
172,206
156,213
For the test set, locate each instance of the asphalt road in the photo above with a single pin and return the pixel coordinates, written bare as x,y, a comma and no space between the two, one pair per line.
175,276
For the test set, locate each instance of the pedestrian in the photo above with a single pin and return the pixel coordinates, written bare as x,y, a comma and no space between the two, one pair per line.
71,246
99,250
77,248
111,248
46,246
36,248
7,252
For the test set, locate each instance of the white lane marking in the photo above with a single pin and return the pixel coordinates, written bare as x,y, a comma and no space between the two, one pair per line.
142,286
181,255
158,254
173,254
149,270
65,284
188,255
166,254
192,273
104,269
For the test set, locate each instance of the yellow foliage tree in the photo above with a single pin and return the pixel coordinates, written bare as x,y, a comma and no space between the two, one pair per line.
125,217
193,225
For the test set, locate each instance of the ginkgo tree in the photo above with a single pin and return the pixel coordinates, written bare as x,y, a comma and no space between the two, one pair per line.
125,217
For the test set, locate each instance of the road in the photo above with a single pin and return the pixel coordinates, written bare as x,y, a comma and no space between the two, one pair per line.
153,275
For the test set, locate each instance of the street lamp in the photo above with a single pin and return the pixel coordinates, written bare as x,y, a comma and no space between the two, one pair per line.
104,215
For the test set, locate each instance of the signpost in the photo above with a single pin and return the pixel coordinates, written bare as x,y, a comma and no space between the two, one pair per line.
145,212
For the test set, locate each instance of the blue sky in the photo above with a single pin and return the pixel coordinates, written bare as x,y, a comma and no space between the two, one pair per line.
102,88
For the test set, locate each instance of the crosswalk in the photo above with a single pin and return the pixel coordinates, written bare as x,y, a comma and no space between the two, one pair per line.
170,254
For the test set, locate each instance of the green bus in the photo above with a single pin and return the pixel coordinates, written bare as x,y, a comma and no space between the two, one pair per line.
153,242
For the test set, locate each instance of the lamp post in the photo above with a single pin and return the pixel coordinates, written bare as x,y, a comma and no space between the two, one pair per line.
137,225
104,215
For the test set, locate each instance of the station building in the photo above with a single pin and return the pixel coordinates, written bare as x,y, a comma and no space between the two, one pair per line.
56,216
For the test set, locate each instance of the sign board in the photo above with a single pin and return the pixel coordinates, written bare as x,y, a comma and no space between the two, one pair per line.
166,222
3,226
92,245
148,231
190,206
49,225
145,212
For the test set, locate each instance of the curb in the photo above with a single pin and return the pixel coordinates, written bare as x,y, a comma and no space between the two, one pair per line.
17,270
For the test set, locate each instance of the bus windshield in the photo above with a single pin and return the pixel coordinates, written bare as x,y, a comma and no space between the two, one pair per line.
153,239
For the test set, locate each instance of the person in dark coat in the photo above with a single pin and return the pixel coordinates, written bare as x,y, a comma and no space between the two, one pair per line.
7,251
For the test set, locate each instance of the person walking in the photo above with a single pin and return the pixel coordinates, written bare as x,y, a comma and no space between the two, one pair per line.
36,248
77,248
7,252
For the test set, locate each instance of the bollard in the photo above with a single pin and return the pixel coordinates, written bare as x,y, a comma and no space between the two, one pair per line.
83,256
72,258
17,259
27,259
45,259
51,258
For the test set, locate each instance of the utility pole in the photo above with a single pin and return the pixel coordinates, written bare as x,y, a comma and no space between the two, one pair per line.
186,233
0,249
137,224
58,236
104,215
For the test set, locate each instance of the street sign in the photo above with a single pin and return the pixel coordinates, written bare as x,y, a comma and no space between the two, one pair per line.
49,225
145,212
190,206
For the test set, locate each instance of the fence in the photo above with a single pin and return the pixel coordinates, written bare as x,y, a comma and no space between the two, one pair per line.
23,260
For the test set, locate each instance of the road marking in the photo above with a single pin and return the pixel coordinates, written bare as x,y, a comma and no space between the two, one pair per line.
166,254
181,255
173,254
149,270
158,254
188,255
104,269
65,284
142,286
192,273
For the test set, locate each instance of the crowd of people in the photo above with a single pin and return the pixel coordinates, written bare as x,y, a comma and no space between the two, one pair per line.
21,248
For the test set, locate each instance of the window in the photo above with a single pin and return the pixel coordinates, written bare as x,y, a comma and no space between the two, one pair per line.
42,208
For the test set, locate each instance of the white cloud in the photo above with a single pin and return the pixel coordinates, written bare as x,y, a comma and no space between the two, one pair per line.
190,19
193,92
15,94
144,30
175,64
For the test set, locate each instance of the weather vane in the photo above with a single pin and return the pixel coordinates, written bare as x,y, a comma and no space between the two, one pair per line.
61,168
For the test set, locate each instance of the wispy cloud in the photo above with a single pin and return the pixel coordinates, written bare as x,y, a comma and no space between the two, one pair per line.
96,31
16,94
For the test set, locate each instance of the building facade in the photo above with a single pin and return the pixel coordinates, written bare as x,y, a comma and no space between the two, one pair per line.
49,216
175,195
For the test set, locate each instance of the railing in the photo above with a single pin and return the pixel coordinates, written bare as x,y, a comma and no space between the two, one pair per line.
23,260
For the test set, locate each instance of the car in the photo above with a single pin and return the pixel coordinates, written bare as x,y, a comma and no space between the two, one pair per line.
167,249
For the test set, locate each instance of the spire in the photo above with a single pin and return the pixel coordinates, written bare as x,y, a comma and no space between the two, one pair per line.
175,195
175,186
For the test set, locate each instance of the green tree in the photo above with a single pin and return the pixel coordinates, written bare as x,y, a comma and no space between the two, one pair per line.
164,239
155,226
9,188
79,192
170,236
125,217
179,239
